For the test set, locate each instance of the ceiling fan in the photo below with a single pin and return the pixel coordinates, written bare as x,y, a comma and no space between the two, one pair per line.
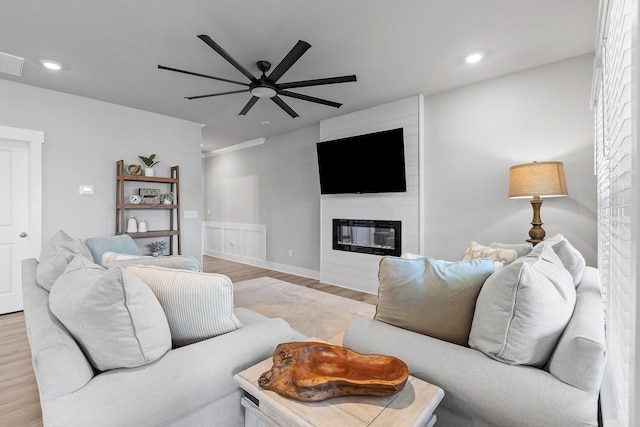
267,86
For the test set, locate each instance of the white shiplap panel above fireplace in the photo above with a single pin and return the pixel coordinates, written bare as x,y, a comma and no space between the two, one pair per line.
356,270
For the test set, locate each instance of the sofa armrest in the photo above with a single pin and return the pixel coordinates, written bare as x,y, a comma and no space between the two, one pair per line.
579,356
59,364
182,382
475,385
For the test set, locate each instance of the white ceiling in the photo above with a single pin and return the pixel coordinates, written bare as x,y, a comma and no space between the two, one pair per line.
110,51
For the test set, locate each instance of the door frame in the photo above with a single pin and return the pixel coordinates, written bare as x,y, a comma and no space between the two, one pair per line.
34,139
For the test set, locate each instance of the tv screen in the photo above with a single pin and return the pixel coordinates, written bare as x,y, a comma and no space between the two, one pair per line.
371,163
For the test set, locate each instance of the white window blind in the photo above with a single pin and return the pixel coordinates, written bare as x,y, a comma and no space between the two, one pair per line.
614,146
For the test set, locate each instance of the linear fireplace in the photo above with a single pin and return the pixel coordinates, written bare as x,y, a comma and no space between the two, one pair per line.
367,236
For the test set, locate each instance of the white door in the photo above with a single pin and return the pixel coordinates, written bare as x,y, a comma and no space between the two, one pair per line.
18,158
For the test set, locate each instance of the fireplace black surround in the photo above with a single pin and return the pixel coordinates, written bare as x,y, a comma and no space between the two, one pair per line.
377,237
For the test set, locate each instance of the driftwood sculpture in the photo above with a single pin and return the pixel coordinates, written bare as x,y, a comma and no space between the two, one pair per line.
313,371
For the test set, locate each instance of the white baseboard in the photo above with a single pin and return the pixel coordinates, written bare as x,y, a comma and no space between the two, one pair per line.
283,268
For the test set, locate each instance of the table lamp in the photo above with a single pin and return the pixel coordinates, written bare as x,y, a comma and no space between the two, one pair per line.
537,180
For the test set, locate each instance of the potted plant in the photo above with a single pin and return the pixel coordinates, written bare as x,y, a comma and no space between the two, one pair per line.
149,162
167,198
157,248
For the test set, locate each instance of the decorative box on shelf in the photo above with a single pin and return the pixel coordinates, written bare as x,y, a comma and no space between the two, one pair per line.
150,196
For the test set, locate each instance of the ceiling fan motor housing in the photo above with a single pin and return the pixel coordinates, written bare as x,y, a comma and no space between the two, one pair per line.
263,66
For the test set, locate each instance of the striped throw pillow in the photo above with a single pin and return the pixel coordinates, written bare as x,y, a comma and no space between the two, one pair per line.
198,305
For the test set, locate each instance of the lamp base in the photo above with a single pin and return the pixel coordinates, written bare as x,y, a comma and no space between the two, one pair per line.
536,233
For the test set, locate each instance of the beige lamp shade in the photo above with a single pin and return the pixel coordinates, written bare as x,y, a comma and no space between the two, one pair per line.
543,179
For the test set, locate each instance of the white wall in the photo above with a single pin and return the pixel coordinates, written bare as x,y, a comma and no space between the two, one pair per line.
276,185
472,136
475,133
83,140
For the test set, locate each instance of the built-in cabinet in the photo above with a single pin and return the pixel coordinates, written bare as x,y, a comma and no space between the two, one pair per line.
125,208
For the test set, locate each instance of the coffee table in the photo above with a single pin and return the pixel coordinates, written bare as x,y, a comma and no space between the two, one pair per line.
413,406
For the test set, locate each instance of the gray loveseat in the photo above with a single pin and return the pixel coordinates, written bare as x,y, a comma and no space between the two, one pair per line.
482,391
190,385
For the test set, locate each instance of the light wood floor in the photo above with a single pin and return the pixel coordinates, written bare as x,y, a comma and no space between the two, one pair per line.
239,272
19,401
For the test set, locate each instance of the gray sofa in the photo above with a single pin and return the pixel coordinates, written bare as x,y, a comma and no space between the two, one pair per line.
188,386
482,391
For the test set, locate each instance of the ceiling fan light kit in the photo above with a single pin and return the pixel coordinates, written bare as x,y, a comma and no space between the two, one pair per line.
267,86
263,92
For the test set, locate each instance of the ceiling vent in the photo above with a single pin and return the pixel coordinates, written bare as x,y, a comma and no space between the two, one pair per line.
10,64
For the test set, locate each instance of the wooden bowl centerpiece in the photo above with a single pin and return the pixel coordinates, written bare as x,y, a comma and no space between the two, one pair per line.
314,371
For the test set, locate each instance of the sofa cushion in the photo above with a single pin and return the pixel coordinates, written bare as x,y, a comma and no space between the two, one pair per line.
56,255
475,250
521,249
197,305
522,310
430,296
571,258
113,315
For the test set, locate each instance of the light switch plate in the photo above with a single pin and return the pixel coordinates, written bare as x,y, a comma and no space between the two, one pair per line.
190,214
86,190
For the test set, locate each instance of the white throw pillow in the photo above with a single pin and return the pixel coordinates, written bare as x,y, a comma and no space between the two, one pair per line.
476,250
571,258
197,305
183,262
56,255
522,310
113,315
521,249
109,257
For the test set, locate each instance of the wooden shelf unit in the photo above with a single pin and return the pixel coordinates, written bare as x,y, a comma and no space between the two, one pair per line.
175,244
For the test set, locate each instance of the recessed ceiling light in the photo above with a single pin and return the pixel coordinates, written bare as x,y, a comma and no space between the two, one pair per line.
52,65
474,57
265,122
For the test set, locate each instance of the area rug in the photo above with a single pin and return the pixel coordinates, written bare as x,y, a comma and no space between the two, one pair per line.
312,313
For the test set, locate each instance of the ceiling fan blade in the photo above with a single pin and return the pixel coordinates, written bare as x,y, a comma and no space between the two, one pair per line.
318,82
215,46
216,94
250,104
162,67
294,54
309,98
284,106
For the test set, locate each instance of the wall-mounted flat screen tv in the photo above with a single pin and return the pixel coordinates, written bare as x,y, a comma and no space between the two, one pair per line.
371,163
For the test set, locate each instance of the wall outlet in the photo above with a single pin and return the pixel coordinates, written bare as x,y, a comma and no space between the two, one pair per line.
290,252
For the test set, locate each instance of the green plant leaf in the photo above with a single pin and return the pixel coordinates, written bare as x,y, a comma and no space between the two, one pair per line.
149,161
